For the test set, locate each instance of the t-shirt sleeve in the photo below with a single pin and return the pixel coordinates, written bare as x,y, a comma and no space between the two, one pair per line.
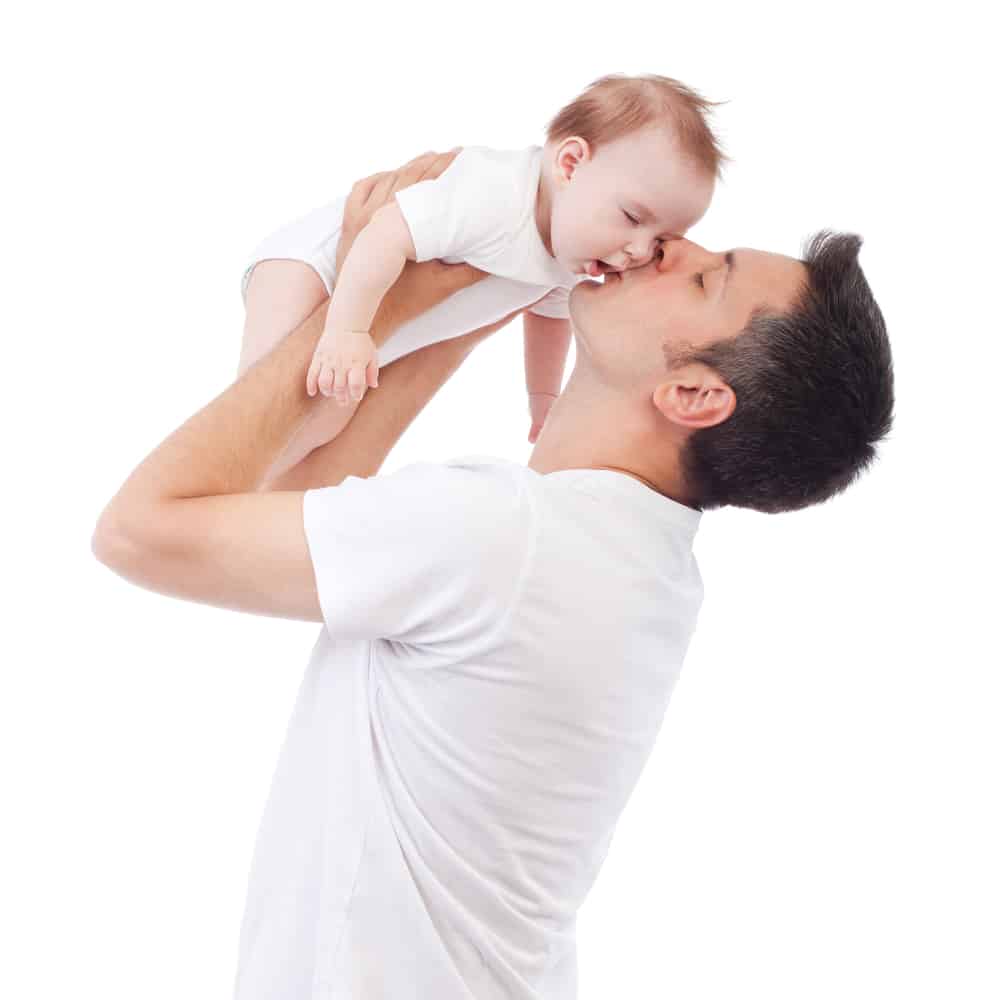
430,554
555,305
463,212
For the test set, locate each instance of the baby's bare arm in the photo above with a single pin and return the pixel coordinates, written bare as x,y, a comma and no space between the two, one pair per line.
408,383
372,266
546,345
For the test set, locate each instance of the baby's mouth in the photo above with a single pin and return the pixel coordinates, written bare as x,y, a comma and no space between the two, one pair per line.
598,267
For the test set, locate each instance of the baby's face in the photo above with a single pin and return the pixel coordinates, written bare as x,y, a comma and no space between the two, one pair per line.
618,204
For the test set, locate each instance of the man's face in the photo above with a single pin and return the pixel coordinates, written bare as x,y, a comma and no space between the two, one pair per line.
612,208
686,298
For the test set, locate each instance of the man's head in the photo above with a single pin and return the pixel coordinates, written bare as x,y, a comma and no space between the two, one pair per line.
770,377
629,162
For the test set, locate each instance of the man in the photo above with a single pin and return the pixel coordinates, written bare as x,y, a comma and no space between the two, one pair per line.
501,641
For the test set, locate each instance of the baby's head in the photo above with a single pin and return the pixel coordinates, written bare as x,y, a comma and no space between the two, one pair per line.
627,164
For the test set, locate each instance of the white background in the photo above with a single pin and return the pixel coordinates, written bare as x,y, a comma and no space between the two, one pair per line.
819,818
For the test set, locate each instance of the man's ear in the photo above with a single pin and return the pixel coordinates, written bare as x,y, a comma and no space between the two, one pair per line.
694,397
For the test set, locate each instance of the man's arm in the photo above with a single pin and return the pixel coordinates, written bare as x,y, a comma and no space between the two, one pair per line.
381,418
188,522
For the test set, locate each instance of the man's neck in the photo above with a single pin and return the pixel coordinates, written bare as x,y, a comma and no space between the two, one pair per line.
593,426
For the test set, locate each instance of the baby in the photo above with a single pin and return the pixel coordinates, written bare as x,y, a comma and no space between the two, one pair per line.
628,164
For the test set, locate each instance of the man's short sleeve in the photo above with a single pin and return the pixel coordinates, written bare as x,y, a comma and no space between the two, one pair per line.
555,305
462,213
431,554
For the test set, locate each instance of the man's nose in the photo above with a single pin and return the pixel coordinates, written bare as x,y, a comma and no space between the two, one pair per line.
681,253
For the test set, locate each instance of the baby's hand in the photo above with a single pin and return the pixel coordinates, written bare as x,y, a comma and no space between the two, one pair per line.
539,404
344,360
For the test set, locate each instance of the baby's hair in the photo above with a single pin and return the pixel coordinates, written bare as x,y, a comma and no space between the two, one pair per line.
616,105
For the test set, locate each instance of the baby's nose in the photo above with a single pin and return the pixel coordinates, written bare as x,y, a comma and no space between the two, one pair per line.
652,252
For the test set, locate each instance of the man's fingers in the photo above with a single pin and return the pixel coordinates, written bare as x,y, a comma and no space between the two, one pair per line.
427,166
383,190
418,163
362,189
431,165
371,193
391,181
423,167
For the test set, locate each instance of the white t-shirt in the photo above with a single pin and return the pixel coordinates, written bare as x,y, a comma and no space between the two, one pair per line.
481,210
498,651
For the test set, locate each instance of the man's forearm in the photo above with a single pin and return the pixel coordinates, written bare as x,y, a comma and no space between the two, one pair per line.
405,387
228,445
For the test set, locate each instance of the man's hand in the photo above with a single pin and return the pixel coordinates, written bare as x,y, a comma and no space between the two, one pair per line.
370,193
189,521
420,286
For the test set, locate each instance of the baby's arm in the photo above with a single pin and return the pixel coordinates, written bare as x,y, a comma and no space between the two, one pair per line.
546,344
345,356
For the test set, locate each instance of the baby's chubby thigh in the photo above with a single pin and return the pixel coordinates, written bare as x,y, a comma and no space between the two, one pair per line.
289,273
280,295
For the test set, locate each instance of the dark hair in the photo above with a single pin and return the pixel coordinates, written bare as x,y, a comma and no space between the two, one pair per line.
814,393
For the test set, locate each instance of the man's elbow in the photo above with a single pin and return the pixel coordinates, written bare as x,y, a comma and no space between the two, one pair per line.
114,544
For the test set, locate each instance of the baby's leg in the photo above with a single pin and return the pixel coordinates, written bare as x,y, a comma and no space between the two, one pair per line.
281,294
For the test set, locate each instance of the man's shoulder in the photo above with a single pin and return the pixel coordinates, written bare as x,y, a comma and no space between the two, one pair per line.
481,477
471,495
468,482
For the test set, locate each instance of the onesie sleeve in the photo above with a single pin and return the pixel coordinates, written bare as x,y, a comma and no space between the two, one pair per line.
555,305
430,554
465,211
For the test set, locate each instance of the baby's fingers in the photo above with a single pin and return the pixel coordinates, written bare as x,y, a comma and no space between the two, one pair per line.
326,378
312,376
371,373
356,382
340,386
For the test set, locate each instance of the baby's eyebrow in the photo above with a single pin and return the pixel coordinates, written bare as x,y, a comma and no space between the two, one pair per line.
645,213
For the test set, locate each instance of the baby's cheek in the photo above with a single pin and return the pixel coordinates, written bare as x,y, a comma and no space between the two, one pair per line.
564,238
575,237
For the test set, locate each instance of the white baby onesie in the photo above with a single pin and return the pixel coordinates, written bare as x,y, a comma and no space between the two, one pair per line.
481,210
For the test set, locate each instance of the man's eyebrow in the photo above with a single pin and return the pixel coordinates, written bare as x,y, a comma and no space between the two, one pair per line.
730,267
